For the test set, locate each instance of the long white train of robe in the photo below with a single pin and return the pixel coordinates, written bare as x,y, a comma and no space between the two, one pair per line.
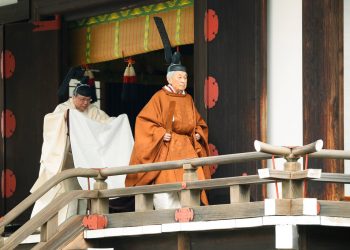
94,145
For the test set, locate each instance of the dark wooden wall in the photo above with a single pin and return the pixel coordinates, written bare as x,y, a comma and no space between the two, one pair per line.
243,239
236,58
15,12
323,238
323,106
2,165
30,93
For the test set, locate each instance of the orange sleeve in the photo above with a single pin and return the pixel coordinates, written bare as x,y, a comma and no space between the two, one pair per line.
149,132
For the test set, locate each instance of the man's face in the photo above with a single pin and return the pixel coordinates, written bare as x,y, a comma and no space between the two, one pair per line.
179,81
81,103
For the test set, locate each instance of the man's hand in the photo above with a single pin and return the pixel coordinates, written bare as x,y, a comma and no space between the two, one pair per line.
167,137
197,136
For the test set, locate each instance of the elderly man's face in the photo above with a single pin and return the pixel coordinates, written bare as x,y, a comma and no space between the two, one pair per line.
81,103
179,81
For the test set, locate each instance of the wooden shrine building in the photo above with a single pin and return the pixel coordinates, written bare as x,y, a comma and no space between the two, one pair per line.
268,70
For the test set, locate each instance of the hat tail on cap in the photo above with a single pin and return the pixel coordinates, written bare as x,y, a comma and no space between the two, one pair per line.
173,59
165,39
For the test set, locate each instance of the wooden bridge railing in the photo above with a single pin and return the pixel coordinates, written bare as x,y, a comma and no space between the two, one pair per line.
291,177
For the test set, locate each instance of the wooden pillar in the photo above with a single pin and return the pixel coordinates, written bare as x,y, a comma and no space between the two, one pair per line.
100,205
49,229
143,202
240,193
190,198
2,229
323,86
292,189
183,241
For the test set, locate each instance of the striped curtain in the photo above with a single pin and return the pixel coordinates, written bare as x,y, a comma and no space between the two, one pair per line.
130,32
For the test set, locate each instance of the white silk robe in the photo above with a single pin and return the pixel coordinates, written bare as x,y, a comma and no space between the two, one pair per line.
56,157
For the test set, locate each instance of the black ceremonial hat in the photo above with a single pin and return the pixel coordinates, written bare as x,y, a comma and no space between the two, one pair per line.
174,59
73,73
84,88
89,88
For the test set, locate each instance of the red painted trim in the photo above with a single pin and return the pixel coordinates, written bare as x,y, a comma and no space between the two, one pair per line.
184,215
211,92
48,25
95,221
7,64
8,123
8,183
211,25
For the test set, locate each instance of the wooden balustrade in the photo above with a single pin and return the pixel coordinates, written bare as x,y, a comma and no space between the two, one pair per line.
190,197
291,203
49,228
99,205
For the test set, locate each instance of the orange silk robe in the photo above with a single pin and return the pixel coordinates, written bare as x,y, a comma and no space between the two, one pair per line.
151,125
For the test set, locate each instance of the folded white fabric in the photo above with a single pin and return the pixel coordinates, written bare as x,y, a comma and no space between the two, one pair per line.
100,145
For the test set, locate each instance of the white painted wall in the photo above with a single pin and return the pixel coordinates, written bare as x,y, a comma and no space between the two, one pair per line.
347,86
284,75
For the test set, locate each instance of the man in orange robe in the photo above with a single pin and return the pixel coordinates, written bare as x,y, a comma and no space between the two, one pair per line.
169,128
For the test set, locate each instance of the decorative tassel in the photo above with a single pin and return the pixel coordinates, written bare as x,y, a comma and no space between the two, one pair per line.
89,79
129,73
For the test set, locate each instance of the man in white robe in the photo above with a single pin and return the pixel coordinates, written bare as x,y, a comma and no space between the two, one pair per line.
56,154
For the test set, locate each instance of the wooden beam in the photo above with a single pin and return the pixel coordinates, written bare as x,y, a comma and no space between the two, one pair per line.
331,154
323,83
27,202
143,202
239,193
183,241
304,206
308,149
39,219
169,165
85,8
335,208
67,232
49,229
203,184
334,177
306,174
272,174
271,149
292,189
190,197
277,207
99,205
207,213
